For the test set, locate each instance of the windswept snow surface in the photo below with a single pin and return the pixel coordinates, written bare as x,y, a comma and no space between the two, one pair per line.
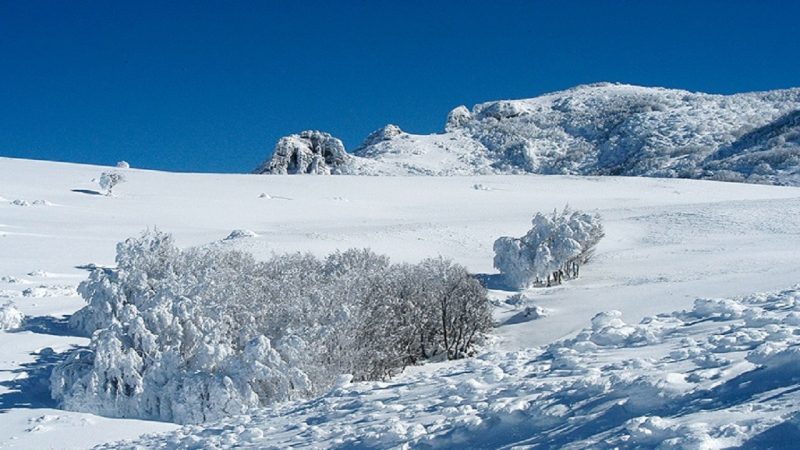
685,376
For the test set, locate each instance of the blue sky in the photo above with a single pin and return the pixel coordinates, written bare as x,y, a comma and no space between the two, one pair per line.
210,86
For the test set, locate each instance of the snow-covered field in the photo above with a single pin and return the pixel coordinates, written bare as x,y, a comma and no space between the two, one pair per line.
681,378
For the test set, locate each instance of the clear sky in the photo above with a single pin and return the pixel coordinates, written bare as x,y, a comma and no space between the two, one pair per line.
210,86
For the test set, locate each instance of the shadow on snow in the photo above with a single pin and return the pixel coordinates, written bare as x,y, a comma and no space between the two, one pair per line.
494,281
54,326
86,191
29,386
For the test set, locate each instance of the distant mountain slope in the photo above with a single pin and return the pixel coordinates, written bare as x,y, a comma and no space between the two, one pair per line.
599,129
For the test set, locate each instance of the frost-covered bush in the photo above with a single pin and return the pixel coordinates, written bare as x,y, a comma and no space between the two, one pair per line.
198,334
552,250
10,317
108,180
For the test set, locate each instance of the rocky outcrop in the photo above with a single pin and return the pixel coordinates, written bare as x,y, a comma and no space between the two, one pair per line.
457,118
386,133
309,152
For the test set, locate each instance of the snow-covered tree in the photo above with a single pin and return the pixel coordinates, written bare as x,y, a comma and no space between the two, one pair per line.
198,334
108,180
10,317
552,250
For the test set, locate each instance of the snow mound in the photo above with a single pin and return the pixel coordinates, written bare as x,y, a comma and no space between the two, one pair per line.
13,280
717,308
43,291
528,309
625,392
597,129
240,234
10,317
528,313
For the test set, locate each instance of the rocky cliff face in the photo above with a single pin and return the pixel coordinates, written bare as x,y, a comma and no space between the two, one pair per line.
599,129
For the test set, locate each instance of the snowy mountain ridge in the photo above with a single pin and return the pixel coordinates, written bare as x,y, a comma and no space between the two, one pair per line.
596,129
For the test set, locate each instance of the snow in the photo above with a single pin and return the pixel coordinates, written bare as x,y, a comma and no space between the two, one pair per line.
606,396
717,369
601,129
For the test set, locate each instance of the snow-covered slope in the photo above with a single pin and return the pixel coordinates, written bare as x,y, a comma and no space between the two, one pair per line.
719,375
604,129
667,243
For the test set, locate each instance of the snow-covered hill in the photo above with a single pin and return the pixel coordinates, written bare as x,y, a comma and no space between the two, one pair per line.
599,129
668,242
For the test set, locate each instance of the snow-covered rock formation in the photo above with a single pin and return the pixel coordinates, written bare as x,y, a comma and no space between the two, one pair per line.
386,133
598,129
313,152
457,118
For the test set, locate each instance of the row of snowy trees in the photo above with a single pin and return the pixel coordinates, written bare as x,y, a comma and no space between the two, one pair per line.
198,334
551,251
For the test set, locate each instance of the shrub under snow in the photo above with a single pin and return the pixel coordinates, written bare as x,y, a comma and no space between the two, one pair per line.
553,249
10,317
110,179
198,334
